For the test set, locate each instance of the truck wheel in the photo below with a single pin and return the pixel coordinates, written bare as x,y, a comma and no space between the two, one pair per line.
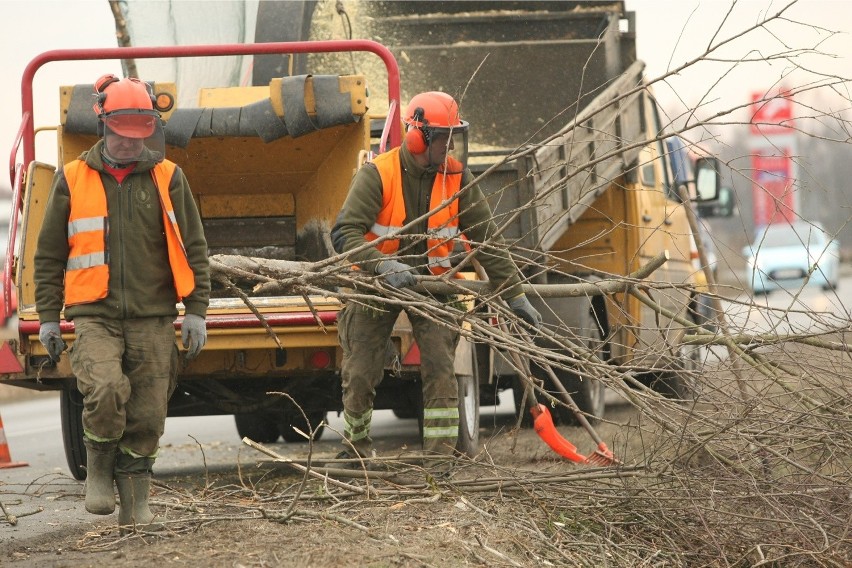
405,413
295,419
678,383
523,412
589,394
261,427
468,441
71,413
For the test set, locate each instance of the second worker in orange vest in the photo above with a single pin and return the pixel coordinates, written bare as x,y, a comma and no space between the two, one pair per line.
397,189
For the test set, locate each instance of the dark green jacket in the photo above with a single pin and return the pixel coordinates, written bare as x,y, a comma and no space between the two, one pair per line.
364,201
140,279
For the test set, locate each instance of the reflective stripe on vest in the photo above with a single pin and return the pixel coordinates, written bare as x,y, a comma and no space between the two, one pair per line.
87,268
442,226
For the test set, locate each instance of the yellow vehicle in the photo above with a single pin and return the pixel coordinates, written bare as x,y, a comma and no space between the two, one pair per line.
270,166
589,191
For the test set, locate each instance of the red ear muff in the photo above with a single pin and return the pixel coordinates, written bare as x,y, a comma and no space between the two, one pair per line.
415,141
105,81
102,83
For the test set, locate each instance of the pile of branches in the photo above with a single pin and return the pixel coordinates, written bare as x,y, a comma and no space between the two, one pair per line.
785,502
754,469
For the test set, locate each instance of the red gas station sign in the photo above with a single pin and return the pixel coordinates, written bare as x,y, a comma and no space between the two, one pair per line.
772,187
772,166
771,114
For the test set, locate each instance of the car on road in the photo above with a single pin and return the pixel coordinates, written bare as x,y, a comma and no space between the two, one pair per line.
792,256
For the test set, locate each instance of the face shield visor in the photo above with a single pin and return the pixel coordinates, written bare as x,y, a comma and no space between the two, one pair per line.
447,148
134,136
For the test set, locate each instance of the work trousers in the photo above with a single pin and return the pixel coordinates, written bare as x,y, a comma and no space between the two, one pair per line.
364,332
126,371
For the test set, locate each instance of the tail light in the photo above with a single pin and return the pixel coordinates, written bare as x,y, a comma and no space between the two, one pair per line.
320,360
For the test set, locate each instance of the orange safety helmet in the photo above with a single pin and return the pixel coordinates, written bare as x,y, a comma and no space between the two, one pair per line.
428,112
127,105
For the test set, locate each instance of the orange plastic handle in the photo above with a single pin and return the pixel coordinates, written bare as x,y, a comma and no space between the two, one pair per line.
546,430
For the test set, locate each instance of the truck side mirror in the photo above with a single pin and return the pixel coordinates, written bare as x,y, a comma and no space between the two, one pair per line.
707,179
724,206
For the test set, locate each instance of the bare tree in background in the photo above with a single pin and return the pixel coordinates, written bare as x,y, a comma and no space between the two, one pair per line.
122,35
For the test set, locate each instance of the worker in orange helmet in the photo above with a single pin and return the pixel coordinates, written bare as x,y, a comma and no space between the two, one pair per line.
120,245
416,202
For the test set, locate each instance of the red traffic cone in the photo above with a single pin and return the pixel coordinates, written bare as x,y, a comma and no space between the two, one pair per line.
5,456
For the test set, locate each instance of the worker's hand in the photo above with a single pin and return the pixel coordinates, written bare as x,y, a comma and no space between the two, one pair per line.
193,332
522,308
396,274
51,338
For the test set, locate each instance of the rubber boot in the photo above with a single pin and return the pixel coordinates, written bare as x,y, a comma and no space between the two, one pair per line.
133,478
133,512
100,463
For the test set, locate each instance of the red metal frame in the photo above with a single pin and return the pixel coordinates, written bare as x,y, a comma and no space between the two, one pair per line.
222,321
26,133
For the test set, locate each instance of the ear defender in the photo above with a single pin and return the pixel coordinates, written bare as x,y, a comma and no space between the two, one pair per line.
416,139
100,86
150,88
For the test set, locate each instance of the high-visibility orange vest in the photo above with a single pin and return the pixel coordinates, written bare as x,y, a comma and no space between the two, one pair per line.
87,271
442,226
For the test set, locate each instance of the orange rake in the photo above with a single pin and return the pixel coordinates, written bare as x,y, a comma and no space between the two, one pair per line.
602,455
542,420
546,430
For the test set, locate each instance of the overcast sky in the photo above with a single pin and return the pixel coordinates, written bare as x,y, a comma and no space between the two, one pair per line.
669,33
814,34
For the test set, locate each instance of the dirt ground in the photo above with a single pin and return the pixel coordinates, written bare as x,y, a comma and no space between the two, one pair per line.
262,517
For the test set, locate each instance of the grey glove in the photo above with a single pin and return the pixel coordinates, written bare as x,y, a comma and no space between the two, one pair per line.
193,333
396,274
524,310
51,338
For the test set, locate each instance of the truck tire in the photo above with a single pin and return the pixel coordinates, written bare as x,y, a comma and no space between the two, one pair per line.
295,419
262,427
468,441
71,413
678,383
518,387
410,400
589,394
